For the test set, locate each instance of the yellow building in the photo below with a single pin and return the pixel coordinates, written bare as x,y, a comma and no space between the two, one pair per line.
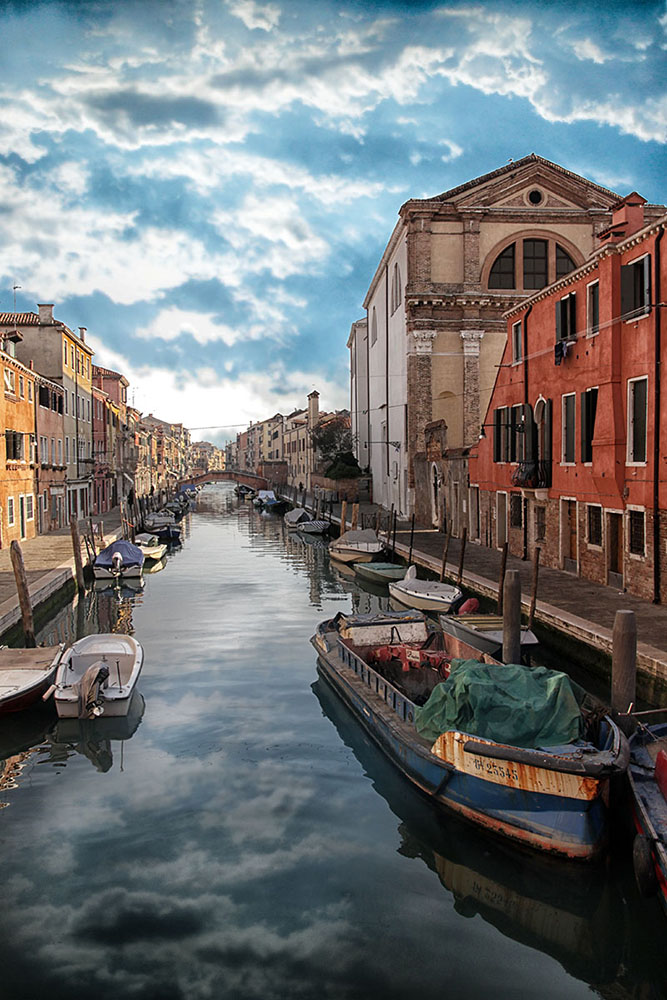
17,484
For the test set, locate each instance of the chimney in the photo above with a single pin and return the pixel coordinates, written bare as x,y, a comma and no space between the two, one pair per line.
45,314
82,333
627,218
313,408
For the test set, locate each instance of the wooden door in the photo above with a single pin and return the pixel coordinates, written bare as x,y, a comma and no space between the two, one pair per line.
615,549
501,519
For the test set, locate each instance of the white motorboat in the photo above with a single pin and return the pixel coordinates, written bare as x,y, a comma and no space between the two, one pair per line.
356,546
150,545
97,676
120,560
425,595
313,527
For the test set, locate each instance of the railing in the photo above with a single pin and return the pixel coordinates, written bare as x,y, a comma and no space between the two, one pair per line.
532,475
403,707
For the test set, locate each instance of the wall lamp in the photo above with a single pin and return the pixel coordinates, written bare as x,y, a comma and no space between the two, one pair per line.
394,444
518,428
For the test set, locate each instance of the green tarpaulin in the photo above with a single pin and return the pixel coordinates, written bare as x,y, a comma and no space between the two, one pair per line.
522,706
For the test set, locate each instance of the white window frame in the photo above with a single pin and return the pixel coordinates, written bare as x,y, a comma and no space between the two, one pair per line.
21,387
589,543
563,460
10,381
590,331
636,316
11,512
629,460
517,344
642,510
29,507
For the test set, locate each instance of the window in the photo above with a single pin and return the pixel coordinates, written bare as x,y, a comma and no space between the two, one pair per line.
65,353
593,308
396,291
501,436
569,413
516,505
30,392
637,401
21,387
540,524
374,327
71,350
564,263
29,507
10,381
636,288
594,525
53,451
502,272
66,394
589,403
517,352
566,317
637,538
14,446
516,434
534,263
67,450
60,451
10,511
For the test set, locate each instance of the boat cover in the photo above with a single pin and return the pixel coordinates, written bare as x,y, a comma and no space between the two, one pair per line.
353,538
297,515
132,555
265,495
527,707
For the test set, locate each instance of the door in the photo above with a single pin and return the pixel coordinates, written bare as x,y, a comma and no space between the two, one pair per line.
22,514
615,548
435,496
501,519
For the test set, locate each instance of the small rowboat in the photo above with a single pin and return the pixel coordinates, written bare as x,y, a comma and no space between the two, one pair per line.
648,783
97,676
25,674
425,595
313,527
356,546
380,572
151,546
294,518
484,632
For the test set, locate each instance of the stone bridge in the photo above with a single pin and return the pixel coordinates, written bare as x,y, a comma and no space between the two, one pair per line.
227,476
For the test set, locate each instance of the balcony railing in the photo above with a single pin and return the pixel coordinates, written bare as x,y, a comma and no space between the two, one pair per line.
532,475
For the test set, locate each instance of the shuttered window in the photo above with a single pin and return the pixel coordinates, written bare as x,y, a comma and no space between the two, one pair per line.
636,288
566,317
637,534
637,401
569,414
589,402
594,525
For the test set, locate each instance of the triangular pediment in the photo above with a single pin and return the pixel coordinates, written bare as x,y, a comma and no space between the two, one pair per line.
511,187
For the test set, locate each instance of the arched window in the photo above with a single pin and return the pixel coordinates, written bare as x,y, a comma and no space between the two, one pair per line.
396,290
374,327
530,264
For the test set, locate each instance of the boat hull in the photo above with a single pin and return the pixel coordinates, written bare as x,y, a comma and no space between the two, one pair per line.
22,681
649,812
126,573
486,642
526,805
421,602
379,572
116,697
351,555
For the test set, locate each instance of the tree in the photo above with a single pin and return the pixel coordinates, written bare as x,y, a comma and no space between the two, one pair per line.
334,442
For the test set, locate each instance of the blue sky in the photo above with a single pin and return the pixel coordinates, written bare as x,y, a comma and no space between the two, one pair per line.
208,185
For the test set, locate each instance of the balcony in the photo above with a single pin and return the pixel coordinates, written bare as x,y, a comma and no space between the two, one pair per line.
532,475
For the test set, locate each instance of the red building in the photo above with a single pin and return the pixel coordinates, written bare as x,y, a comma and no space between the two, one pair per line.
569,457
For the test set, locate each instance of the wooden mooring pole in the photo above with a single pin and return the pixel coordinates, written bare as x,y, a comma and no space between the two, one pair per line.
533,593
501,581
343,516
444,556
393,542
512,617
412,538
76,546
355,516
24,594
464,539
623,662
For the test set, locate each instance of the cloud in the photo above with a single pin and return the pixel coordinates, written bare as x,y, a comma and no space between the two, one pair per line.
173,323
265,16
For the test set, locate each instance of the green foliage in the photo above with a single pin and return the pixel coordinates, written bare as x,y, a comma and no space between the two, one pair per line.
344,466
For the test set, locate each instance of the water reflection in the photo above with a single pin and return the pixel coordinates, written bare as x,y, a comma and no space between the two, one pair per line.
93,738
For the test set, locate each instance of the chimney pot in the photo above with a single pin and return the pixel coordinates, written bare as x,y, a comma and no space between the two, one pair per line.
45,313
82,333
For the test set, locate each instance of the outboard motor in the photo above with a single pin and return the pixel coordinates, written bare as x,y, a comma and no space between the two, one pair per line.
116,563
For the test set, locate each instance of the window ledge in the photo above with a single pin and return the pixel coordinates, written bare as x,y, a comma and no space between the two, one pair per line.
636,465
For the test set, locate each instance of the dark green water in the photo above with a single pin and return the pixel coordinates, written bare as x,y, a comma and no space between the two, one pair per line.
246,840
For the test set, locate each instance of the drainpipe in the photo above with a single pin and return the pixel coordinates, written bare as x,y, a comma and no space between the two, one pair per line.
526,403
386,373
656,424
368,392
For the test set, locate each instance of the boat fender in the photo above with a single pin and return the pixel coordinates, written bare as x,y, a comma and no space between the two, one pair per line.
642,863
467,607
49,691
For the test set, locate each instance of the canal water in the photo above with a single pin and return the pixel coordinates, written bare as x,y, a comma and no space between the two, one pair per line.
240,837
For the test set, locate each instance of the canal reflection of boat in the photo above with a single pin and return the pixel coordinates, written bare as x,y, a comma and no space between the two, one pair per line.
572,913
92,738
124,588
154,566
24,730
537,773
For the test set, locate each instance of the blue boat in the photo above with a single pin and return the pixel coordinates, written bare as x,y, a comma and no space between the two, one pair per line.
647,775
552,798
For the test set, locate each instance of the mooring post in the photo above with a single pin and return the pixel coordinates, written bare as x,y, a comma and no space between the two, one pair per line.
355,516
501,581
343,516
444,556
393,542
377,522
24,594
76,545
412,538
92,537
623,662
533,593
512,617
464,538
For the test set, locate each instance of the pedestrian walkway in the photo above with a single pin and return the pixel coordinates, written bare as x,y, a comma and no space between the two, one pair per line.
573,606
49,564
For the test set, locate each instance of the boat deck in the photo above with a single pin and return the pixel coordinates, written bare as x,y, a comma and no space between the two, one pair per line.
19,667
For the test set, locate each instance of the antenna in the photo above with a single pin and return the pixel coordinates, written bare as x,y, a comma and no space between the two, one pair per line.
15,289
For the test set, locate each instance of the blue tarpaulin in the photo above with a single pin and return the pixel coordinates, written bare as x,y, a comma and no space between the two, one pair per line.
132,556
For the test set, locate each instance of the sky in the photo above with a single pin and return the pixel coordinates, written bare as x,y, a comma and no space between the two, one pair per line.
208,185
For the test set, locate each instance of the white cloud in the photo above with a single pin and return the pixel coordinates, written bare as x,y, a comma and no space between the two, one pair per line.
254,15
173,323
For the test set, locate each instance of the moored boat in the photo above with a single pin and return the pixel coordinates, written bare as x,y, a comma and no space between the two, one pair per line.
647,774
356,546
425,595
297,516
25,674
120,560
97,676
551,796
484,632
380,572
150,545
314,527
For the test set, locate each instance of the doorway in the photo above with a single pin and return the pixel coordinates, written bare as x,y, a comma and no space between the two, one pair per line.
615,548
22,514
501,519
568,534
435,496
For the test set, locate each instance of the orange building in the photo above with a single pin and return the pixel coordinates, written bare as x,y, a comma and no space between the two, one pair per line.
570,457
17,484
